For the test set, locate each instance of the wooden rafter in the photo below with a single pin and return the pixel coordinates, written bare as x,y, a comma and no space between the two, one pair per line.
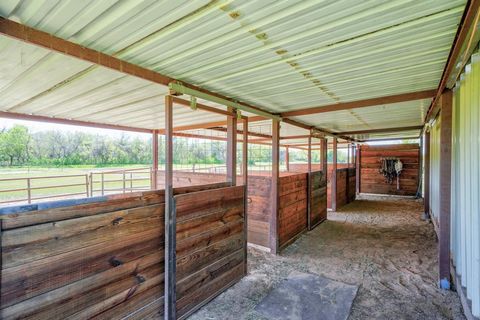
383,130
250,133
28,117
391,139
43,39
410,96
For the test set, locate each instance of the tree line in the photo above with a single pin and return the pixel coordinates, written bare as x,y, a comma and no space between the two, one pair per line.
21,147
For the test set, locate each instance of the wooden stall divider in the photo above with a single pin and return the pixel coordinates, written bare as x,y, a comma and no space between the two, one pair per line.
333,184
309,182
274,220
210,245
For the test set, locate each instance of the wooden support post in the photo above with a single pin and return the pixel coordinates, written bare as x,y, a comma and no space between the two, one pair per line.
348,155
358,167
324,156
309,155
275,190
245,152
333,183
354,150
232,148
309,183
155,159
287,158
445,188
170,219
420,169
352,156
245,183
426,176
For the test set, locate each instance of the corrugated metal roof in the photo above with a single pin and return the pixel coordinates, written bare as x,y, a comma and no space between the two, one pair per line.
278,55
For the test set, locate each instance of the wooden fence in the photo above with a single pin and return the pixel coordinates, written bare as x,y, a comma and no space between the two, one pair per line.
318,198
104,259
372,181
346,182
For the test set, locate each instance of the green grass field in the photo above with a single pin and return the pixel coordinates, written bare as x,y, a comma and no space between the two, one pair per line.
50,183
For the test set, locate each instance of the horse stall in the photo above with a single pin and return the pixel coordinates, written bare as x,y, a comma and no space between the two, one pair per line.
293,214
318,198
103,257
293,207
346,180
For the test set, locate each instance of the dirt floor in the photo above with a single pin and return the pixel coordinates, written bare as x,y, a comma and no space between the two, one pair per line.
378,243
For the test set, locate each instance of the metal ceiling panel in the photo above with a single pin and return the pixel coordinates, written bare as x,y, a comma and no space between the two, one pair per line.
278,55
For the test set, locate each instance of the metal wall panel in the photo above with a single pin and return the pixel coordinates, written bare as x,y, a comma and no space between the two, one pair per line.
435,170
465,182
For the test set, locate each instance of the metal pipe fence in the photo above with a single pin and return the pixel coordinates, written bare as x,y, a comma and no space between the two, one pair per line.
32,189
96,183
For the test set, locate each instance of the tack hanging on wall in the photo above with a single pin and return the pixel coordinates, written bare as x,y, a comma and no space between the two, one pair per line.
391,168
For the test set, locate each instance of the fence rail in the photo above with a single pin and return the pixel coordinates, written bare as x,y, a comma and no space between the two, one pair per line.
130,180
28,190
88,185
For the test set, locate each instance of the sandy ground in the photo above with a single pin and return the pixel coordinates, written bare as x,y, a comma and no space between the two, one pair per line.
377,243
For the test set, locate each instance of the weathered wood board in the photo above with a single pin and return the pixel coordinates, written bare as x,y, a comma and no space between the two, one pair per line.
102,259
105,259
292,216
210,245
318,198
372,181
342,187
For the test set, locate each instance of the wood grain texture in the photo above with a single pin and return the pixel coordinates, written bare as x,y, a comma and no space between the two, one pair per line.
259,210
84,260
293,190
342,185
210,244
105,260
351,184
372,181
318,198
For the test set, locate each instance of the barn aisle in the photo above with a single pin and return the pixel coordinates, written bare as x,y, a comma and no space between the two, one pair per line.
377,242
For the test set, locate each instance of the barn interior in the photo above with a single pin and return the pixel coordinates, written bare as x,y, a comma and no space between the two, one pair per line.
350,138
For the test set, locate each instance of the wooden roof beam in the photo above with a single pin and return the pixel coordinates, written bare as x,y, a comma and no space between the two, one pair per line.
383,130
250,133
410,96
391,139
27,117
43,39
294,137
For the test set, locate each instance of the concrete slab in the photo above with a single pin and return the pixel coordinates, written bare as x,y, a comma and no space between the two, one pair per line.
305,296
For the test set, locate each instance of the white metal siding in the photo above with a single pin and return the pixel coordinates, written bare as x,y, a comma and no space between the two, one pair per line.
435,170
465,182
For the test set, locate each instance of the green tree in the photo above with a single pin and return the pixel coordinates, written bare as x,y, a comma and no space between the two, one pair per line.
14,145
